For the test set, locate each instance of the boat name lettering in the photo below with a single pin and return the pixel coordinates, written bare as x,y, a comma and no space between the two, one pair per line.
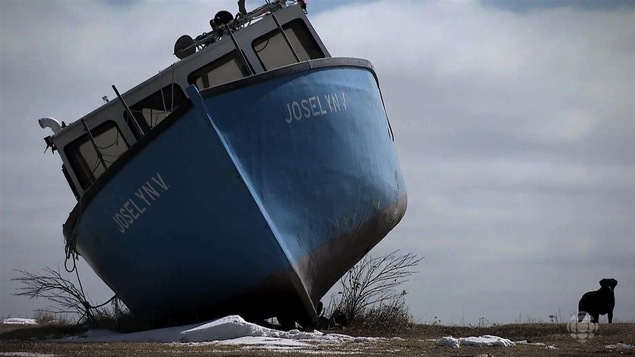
315,106
138,203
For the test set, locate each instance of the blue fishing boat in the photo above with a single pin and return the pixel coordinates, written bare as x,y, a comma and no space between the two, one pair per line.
246,178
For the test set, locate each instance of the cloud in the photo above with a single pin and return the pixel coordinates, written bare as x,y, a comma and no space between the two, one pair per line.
514,131
515,134
58,59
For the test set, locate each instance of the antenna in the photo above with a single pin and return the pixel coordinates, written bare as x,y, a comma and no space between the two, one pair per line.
128,111
241,7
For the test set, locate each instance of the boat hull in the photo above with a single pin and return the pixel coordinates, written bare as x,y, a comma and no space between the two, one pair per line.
253,201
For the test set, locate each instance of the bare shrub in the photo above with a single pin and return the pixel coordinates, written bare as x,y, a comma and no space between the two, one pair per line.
67,297
369,294
387,317
46,317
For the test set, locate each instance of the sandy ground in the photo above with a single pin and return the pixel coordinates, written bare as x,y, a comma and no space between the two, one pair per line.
551,339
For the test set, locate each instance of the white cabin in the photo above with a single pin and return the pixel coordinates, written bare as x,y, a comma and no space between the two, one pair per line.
279,35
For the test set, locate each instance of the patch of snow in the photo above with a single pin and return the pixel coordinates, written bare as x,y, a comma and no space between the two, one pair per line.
485,340
449,341
551,347
230,330
19,321
620,346
223,329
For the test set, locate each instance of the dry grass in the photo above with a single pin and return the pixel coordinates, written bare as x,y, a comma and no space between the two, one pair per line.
39,332
415,340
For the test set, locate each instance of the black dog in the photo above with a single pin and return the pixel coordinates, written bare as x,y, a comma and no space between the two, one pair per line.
599,302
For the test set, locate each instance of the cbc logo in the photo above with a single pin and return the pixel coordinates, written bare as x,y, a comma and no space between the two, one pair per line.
582,330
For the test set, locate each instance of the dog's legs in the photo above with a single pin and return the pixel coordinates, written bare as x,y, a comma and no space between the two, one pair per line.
610,316
595,318
581,316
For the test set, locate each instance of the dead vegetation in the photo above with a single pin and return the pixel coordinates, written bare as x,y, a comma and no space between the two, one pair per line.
370,299
413,340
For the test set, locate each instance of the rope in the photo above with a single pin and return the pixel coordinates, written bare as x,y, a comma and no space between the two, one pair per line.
71,253
70,247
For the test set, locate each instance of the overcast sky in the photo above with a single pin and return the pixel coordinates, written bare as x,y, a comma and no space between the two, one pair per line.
514,123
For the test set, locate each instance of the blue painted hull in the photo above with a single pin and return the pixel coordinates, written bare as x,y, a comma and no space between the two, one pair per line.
254,200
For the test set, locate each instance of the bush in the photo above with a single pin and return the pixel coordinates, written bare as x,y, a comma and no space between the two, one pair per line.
69,299
369,297
46,317
390,317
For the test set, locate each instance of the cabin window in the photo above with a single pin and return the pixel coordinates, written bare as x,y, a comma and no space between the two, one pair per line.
273,51
152,110
223,70
90,158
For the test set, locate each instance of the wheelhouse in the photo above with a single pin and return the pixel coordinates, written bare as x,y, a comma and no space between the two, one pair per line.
270,37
